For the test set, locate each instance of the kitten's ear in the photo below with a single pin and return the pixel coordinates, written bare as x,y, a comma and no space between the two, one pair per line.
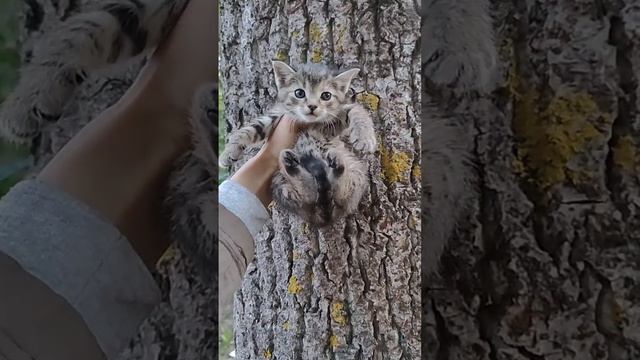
282,72
343,80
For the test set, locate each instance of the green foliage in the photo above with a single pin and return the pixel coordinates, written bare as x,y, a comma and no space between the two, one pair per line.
222,127
9,58
225,343
9,65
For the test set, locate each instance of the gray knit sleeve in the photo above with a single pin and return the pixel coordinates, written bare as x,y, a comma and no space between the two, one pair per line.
81,257
244,204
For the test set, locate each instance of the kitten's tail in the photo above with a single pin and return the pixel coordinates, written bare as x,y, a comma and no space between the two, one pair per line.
110,32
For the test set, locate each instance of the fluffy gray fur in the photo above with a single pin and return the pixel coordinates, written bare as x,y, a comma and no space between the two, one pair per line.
319,183
107,33
321,178
457,47
458,54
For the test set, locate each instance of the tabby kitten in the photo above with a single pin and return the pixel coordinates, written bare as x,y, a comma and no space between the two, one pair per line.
321,178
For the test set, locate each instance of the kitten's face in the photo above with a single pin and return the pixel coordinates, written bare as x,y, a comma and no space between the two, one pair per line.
313,93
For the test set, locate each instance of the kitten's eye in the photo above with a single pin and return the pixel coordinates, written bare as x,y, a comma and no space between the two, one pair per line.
326,96
299,93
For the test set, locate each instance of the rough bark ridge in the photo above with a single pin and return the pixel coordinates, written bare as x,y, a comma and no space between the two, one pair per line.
351,292
183,326
548,267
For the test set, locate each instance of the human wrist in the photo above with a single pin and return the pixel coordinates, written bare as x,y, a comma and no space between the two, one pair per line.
268,157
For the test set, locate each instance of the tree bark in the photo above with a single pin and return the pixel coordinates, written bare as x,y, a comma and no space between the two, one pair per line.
351,292
547,266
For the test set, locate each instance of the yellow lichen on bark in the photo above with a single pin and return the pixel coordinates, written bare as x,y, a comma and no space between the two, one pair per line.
281,55
338,313
267,354
168,256
316,56
416,172
339,42
395,165
369,100
624,153
551,133
315,33
294,287
333,341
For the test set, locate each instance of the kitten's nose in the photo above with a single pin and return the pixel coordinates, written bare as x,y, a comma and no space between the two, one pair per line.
312,108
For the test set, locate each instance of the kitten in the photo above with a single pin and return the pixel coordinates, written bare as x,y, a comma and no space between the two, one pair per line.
107,33
320,179
317,97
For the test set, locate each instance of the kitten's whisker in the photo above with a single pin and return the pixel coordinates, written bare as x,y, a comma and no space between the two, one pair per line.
332,123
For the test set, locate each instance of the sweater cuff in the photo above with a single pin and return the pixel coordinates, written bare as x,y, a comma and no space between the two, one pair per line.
244,204
81,257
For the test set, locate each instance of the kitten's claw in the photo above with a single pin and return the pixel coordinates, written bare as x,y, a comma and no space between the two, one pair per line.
335,163
289,161
364,145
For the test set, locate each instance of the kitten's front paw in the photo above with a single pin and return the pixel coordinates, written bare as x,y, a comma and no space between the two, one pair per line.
363,141
230,155
362,136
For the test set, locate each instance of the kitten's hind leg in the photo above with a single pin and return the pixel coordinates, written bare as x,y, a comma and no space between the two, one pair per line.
109,32
288,184
348,178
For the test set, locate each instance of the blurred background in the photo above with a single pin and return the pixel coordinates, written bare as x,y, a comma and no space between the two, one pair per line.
13,159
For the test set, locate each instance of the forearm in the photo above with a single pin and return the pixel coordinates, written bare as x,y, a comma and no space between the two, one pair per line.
256,175
118,163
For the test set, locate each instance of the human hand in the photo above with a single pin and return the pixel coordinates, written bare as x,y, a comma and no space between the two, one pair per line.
186,60
256,174
284,136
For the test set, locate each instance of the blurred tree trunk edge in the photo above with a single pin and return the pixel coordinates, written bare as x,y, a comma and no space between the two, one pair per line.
547,267
352,292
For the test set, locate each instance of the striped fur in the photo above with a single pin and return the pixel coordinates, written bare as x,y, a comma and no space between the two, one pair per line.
335,117
107,33
319,182
321,179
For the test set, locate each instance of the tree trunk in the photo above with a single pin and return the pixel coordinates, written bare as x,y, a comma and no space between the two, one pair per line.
547,267
184,325
351,292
